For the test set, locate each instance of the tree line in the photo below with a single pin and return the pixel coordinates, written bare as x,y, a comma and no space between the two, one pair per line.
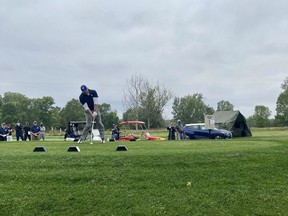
142,101
16,107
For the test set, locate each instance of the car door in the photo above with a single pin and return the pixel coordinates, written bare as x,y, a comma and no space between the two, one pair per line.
201,132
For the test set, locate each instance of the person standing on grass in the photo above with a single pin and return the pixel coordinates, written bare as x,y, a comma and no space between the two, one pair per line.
89,100
179,130
27,131
19,132
171,132
42,132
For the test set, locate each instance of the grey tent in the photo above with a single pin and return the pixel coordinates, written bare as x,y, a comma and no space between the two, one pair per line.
233,121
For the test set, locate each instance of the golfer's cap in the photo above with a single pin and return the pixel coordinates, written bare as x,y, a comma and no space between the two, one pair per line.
83,88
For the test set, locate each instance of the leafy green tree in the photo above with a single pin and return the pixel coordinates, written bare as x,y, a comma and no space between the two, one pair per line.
284,85
251,121
152,103
282,109
1,103
261,116
42,109
191,108
15,107
108,116
129,114
224,106
281,117
55,118
72,111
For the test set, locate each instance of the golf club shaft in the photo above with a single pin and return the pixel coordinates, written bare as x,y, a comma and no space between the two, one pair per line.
92,130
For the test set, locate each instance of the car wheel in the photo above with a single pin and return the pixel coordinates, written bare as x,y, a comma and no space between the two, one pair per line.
218,137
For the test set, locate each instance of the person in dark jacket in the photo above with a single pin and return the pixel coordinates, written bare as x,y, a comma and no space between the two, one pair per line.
35,131
3,132
171,131
27,131
19,131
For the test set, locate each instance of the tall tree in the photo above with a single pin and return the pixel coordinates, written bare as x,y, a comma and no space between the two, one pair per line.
284,85
44,108
72,111
1,103
191,108
152,101
129,114
55,118
282,109
261,116
224,106
146,101
132,91
15,107
281,117
108,116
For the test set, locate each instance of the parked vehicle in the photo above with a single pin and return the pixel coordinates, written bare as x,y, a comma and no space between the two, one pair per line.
198,131
74,130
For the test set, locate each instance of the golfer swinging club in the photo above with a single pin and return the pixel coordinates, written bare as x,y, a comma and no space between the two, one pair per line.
89,100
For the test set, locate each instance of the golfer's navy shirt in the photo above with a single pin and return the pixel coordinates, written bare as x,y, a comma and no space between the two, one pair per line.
88,98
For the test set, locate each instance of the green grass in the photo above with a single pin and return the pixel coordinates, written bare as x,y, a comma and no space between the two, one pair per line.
244,176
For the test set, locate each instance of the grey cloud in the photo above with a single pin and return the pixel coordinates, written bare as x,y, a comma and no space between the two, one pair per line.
223,49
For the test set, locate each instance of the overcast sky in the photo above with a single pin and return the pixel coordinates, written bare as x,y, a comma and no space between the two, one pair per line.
225,49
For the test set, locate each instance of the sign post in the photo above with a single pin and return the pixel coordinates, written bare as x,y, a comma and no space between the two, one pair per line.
209,123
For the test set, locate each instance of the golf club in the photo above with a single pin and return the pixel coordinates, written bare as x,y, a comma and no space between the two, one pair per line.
92,131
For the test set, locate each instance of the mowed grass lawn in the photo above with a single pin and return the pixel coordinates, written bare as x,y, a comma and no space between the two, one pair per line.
241,176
